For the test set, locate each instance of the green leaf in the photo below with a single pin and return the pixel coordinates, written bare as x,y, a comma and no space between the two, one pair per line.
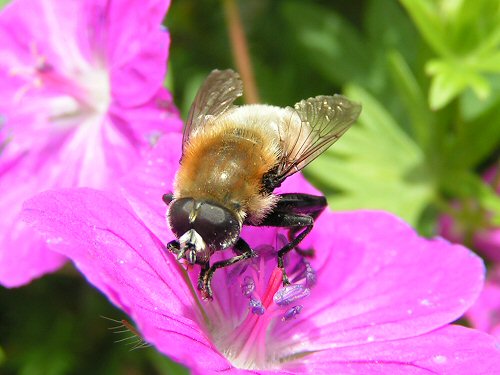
457,28
472,107
331,44
473,26
165,365
491,202
375,165
3,3
466,36
399,34
425,14
450,79
489,63
476,140
413,99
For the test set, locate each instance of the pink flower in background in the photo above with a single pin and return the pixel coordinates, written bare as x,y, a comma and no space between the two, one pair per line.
472,225
376,299
82,101
485,313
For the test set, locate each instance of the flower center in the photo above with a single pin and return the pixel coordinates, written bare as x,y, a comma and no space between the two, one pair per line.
70,91
245,321
97,88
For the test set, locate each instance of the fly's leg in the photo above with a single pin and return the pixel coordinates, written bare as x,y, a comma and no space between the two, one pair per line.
297,212
174,247
244,252
204,269
303,222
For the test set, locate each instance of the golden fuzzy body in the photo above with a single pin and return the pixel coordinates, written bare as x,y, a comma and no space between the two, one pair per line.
227,161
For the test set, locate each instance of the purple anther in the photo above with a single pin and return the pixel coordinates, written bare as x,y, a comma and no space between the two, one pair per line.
311,277
256,307
248,286
290,293
292,313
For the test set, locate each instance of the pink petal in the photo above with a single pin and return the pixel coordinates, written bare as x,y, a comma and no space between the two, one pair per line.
122,258
92,226
378,265
150,120
381,281
28,27
23,257
55,60
450,350
146,184
137,80
485,313
129,24
487,241
137,49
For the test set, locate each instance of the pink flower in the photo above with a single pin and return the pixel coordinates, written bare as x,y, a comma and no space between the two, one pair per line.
471,224
485,313
82,100
376,299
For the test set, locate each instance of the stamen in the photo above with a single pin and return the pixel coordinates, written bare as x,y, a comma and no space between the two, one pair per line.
251,343
304,271
248,286
292,313
290,293
256,307
311,277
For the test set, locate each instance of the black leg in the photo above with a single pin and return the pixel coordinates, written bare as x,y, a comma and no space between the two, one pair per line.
297,203
244,252
204,269
297,212
311,205
168,198
174,247
296,221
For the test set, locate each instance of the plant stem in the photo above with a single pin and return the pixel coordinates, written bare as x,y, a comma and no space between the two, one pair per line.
240,51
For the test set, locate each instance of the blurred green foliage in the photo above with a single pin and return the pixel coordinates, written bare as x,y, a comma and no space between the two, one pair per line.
427,75
425,72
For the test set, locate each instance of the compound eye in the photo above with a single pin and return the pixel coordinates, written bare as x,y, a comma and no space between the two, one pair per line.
218,227
178,216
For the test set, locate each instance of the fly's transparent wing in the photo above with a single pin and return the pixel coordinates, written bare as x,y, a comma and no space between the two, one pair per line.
217,94
324,119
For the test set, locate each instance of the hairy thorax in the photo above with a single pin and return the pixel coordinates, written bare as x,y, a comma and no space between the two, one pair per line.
226,165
